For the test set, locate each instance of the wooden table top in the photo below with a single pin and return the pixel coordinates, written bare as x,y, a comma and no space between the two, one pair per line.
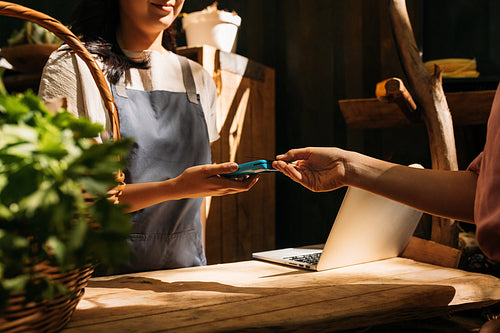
254,295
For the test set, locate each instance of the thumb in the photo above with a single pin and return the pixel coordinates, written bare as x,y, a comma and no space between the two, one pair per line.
222,168
294,155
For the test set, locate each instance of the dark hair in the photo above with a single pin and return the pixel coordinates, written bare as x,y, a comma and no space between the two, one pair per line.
95,22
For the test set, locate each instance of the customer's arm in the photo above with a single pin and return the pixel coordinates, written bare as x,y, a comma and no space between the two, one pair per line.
443,193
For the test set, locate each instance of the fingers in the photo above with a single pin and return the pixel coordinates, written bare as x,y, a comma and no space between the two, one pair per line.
246,183
231,186
294,155
216,171
288,170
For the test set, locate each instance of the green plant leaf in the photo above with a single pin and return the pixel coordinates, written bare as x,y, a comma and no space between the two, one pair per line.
46,161
18,139
78,233
3,91
16,284
32,33
21,183
58,247
80,127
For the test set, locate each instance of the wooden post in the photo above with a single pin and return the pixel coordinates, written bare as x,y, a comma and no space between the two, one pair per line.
428,93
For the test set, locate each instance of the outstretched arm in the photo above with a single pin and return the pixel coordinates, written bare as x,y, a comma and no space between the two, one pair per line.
194,182
437,192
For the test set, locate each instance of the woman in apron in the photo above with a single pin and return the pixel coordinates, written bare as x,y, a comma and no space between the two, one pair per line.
166,103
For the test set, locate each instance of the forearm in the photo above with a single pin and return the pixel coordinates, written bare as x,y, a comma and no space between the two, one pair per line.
437,192
195,182
139,196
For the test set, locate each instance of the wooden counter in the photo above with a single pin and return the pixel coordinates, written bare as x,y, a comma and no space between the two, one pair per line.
254,295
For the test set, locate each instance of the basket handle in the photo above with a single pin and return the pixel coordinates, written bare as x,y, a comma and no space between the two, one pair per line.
61,31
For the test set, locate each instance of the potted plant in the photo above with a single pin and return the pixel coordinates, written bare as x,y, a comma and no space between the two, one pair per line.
29,48
55,216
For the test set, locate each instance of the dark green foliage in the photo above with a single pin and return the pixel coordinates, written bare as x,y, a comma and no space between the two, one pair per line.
47,162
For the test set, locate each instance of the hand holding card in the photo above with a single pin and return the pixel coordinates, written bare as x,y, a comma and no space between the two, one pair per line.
250,168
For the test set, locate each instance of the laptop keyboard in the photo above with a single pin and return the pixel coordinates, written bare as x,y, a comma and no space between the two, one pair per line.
311,258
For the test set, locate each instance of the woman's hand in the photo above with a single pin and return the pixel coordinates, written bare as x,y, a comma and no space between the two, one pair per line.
195,182
318,169
207,180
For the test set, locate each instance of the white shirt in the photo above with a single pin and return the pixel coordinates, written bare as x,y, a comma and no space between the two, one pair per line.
66,75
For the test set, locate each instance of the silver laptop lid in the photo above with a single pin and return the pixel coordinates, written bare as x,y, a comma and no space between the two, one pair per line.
368,227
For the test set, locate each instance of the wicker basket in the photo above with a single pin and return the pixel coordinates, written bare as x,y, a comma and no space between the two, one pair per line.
48,315
53,315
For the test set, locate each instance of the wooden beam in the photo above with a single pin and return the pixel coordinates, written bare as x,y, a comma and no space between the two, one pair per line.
371,113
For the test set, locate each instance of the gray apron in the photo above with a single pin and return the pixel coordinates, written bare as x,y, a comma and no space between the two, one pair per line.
170,135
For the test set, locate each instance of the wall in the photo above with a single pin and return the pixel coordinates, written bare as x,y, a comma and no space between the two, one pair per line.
322,51
59,9
326,50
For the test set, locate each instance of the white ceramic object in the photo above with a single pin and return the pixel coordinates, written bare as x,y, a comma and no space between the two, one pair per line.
216,28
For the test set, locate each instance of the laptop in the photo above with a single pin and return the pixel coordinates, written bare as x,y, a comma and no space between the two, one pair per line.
368,227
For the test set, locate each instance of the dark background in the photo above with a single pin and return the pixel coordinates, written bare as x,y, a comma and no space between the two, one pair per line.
327,50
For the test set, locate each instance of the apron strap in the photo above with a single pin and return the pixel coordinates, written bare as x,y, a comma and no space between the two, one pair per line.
187,77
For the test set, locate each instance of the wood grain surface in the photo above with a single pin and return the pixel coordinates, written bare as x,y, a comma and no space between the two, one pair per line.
254,295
